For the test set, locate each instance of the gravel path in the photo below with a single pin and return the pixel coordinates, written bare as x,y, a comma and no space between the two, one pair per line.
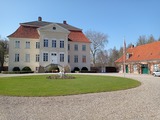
141,103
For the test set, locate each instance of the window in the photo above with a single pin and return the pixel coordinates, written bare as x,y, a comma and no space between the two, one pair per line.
45,57
68,58
61,44
37,45
156,67
61,57
27,58
68,46
76,47
54,43
16,57
76,58
45,43
84,59
134,68
27,44
37,57
83,47
17,44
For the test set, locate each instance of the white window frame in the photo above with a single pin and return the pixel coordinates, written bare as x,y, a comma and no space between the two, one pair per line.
27,44
17,57
68,58
84,59
45,57
17,44
45,43
61,43
83,47
37,45
27,57
37,57
54,43
76,47
75,58
61,57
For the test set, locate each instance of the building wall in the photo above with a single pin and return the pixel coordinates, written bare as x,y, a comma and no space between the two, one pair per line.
80,53
58,36
136,68
22,51
49,34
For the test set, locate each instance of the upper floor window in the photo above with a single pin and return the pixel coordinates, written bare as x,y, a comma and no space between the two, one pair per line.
83,47
27,44
76,47
27,58
76,58
37,45
68,46
17,44
61,57
37,57
16,57
54,43
45,43
45,57
61,44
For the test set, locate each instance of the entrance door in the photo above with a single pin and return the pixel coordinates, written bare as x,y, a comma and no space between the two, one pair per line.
53,58
126,68
144,69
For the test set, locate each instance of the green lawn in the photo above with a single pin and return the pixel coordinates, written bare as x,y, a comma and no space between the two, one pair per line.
39,85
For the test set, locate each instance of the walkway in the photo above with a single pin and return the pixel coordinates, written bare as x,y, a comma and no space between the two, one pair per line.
141,103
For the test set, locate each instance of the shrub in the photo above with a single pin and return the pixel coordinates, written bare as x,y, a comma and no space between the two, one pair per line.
53,69
67,69
84,69
16,69
76,69
26,69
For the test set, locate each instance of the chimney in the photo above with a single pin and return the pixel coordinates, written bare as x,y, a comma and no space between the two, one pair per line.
132,46
39,18
64,22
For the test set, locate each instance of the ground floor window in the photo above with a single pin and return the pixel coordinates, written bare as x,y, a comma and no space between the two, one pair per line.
76,58
156,67
134,68
16,57
61,57
37,57
45,57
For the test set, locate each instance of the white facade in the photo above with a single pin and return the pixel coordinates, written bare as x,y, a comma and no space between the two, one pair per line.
52,47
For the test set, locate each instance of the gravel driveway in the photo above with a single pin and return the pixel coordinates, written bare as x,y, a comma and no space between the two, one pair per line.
141,103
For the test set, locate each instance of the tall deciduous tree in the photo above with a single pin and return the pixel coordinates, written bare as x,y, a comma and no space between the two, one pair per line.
3,52
102,58
99,40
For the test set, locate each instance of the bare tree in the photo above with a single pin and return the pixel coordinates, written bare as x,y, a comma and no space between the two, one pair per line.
3,52
99,40
144,40
141,40
102,58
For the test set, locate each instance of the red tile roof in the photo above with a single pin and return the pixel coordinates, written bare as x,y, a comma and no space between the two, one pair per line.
29,30
147,52
25,32
78,36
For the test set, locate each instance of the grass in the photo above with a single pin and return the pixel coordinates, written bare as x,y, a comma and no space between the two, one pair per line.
82,84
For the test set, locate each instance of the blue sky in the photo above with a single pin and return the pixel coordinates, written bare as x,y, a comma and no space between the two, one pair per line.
116,18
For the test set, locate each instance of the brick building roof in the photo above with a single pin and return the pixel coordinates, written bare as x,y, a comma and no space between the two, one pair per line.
147,52
29,30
